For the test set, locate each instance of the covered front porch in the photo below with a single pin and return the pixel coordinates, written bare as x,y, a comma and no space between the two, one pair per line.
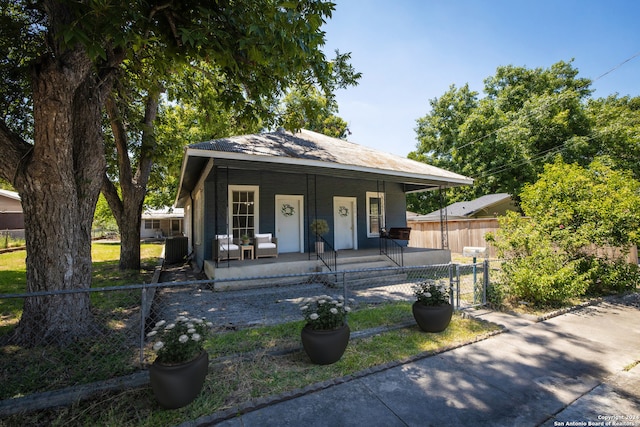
301,263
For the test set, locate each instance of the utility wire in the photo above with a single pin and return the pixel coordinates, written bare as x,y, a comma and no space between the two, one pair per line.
533,159
556,100
538,156
545,153
617,66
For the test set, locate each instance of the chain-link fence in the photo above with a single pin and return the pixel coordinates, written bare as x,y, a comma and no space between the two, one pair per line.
112,342
11,238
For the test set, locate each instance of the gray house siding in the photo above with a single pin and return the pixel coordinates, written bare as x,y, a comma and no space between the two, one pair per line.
396,207
395,203
209,219
318,192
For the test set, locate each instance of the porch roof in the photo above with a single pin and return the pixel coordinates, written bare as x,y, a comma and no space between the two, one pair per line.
312,152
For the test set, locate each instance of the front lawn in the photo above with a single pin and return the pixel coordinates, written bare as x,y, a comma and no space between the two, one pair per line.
105,256
267,361
245,364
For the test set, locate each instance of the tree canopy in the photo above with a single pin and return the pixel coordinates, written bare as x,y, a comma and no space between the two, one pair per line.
579,207
580,224
526,118
309,109
58,64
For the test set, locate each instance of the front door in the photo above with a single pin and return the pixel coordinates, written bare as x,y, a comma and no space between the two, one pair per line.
289,223
344,220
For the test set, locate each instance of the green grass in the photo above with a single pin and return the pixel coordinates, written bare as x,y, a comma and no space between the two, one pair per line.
91,359
13,272
261,372
267,338
105,273
246,364
631,365
7,241
13,280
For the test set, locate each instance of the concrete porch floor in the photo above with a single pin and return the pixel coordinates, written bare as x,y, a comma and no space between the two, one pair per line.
301,263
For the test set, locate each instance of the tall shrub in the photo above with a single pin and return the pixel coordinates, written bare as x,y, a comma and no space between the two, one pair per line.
551,256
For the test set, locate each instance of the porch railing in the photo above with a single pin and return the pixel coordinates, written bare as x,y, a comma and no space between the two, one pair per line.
327,255
392,250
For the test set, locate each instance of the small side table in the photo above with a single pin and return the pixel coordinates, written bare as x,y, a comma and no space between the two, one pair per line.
247,248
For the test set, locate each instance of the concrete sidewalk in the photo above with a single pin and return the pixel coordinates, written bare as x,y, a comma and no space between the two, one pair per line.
573,369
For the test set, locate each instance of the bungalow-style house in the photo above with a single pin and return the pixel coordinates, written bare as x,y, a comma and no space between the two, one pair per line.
274,185
11,215
158,223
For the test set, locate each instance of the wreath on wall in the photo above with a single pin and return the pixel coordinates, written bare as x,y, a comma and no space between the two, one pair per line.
287,210
343,211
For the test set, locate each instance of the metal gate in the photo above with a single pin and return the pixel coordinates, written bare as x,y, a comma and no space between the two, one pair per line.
469,283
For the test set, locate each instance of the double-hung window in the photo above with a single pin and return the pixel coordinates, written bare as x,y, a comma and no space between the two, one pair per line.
151,224
243,215
375,213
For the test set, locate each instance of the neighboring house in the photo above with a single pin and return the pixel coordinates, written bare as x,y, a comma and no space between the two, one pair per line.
11,215
162,223
467,223
279,183
411,214
489,206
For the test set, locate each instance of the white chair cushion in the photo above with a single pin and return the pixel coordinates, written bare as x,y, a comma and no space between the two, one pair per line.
263,238
266,245
224,239
230,247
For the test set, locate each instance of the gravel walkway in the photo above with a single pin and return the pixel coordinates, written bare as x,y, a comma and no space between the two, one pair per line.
236,309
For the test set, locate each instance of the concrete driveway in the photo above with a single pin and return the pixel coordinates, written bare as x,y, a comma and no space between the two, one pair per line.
574,369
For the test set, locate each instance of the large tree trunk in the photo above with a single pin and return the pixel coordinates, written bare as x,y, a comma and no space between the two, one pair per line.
59,176
128,215
130,237
133,186
59,183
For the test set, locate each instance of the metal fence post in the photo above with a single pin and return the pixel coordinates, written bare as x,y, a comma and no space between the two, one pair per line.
143,305
454,300
486,280
344,294
457,279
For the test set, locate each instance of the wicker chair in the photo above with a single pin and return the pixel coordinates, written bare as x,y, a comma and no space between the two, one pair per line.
225,247
265,245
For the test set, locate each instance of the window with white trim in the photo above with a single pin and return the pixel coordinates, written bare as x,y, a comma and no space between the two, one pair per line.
151,224
243,210
375,213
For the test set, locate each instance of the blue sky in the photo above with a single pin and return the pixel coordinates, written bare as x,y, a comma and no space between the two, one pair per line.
410,52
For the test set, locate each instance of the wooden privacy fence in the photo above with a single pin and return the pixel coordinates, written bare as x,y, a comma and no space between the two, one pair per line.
471,232
462,232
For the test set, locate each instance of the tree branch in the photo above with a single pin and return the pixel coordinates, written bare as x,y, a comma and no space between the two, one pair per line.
110,193
121,142
149,142
15,154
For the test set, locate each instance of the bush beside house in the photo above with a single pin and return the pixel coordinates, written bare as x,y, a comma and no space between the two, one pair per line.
553,256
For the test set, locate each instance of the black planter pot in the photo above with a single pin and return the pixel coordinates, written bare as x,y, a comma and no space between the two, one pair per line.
325,347
432,318
176,386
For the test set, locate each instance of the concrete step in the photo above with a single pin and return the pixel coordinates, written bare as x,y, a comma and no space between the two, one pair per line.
364,265
346,259
367,274
376,281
